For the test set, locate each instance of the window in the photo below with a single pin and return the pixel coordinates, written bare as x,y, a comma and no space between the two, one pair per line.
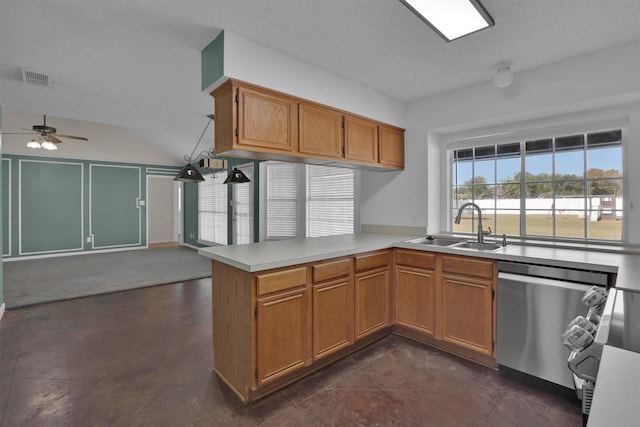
308,200
329,201
212,209
563,187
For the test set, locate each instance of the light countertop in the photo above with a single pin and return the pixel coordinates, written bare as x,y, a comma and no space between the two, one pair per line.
282,253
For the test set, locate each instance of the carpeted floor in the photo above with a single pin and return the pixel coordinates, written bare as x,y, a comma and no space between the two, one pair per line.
53,279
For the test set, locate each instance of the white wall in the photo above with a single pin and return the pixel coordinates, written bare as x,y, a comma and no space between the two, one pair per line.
609,78
106,142
254,63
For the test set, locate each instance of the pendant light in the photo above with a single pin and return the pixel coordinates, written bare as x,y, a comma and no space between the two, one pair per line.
189,173
236,177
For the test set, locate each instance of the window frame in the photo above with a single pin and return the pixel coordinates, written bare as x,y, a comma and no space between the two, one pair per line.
585,122
301,206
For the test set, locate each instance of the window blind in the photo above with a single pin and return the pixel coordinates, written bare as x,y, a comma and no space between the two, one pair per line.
281,200
212,209
330,201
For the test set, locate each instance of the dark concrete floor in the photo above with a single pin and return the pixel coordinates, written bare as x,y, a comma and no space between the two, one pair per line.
144,357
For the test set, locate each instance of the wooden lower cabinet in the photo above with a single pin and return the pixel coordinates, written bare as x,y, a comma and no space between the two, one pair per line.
372,302
273,327
332,317
415,299
467,314
447,301
282,334
468,306
332,306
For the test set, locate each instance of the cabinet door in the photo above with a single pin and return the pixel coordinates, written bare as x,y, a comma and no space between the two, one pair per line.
372,301
467,312
266,120
320,131
391,142
415,299
332,317
360,140
282,334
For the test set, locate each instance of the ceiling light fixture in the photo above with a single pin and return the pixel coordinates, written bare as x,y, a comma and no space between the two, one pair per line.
504,76
451,19
34,143
48,145
189,173
236,177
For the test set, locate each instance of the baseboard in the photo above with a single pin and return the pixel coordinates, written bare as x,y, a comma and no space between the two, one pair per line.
1,310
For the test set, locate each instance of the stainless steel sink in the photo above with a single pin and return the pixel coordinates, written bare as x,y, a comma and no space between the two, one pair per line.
485,246
435,241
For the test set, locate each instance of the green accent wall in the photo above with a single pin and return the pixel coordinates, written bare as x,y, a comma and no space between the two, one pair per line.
190,214
2,214
51,206
116,216
57,206
212,61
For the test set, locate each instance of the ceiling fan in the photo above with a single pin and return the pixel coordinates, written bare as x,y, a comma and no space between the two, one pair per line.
47,133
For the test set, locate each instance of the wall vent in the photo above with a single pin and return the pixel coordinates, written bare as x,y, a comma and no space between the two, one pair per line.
35,78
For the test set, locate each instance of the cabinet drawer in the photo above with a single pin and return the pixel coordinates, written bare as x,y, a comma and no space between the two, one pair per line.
331,270
417,259
467,266
374,260
277,281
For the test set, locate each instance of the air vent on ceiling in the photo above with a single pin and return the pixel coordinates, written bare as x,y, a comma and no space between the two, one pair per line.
35,78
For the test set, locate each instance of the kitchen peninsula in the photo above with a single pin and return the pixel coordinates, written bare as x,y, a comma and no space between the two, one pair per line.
283,309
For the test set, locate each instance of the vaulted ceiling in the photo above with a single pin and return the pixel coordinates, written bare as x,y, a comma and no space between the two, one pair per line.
136,63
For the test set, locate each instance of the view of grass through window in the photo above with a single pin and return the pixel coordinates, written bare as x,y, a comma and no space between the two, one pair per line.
565,187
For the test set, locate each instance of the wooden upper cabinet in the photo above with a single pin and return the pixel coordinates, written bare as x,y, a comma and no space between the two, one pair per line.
259,123
391,143
267,120
360,140
320,131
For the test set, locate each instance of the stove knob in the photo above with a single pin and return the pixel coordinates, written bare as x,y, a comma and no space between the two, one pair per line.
576,338
595,297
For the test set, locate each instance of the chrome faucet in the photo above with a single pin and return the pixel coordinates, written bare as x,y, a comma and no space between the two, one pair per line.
481,233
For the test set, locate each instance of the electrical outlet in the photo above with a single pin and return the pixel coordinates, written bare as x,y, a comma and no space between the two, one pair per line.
88,239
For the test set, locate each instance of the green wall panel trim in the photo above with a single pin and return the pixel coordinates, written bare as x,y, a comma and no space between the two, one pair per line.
6,207
50,205
2,184
10,181
212,61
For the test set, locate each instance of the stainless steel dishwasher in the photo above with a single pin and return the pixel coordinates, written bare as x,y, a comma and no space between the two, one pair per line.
535,304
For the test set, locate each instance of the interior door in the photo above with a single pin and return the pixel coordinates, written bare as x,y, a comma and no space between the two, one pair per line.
242,207
160,205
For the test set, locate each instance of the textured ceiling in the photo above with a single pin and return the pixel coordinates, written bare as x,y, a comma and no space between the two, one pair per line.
136,63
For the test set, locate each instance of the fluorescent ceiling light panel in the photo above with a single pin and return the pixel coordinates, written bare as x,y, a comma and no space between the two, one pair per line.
451,19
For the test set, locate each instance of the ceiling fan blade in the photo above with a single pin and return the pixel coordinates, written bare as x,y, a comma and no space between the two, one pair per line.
19,133
52,139
81,138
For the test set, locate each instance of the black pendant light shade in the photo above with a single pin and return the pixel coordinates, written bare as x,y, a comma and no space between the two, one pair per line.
189,174
236,177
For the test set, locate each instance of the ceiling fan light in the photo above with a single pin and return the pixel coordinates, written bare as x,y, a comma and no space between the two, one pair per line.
48,145
34,143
